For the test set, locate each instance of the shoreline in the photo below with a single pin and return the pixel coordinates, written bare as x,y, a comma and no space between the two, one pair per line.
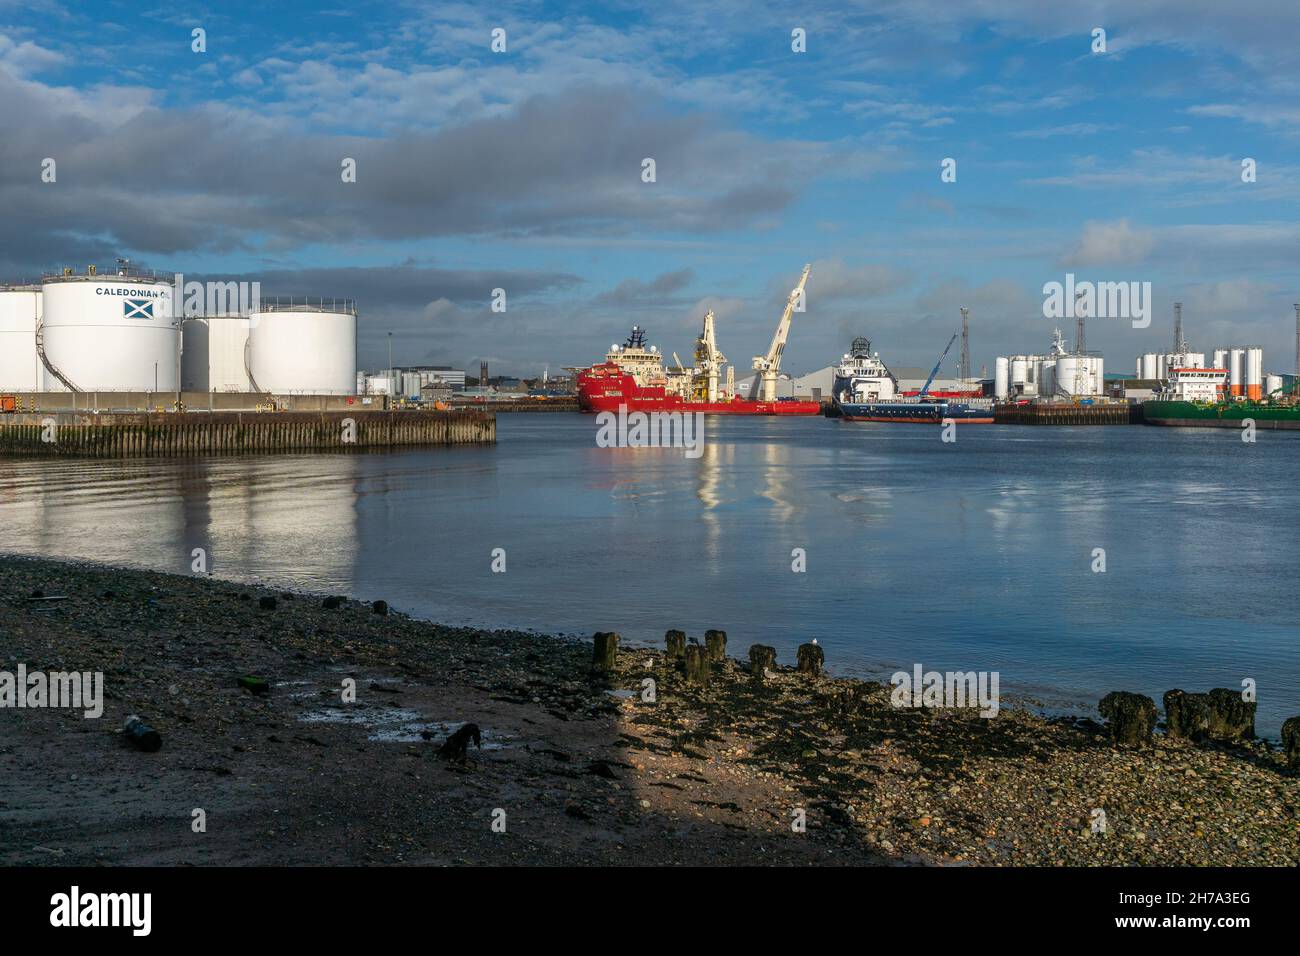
583,768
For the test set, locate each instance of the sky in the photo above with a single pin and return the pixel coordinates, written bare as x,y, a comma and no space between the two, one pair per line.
523,169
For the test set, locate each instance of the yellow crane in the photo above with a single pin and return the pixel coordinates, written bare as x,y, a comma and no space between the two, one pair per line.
768,366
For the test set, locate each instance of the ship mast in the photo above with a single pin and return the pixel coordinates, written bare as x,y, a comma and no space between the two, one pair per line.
770,364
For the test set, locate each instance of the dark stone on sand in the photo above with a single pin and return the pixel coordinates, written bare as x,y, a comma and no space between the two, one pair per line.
141,736
455,746
1291,741
1232,717
331,603
604,653
715,642
266,603
697,665
380,607
811,659
254,685
676,641
1130,718
1187,716
761,657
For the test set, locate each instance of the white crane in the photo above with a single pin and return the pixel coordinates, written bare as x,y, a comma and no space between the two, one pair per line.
770,364
708,359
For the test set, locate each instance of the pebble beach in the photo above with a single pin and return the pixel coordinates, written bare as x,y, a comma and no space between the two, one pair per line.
634,765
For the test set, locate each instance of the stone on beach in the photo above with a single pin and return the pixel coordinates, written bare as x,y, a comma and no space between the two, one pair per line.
604,650
1129,717
811,659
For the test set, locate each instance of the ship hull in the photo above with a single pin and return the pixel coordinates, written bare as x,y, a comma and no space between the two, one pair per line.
1231,415
601,389
915,413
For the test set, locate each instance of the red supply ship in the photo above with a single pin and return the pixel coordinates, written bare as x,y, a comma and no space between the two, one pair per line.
633,376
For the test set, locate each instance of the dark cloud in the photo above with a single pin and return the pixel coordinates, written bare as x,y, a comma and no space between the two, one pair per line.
167,182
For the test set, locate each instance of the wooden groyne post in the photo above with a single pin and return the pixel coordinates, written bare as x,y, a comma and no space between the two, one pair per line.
169,434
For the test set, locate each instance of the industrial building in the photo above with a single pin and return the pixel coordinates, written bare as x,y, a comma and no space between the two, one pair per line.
1059,375
120,331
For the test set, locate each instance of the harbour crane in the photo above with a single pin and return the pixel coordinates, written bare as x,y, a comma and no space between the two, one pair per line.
769,365
935,370
708,359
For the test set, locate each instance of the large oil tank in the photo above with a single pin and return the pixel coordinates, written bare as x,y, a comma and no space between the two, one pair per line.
1001,377
1236,371
1253,373
111,333
304,346
1047,379
1019,371
20,369
1150,366
215,354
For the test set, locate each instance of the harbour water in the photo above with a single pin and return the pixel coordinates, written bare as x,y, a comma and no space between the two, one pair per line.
973,555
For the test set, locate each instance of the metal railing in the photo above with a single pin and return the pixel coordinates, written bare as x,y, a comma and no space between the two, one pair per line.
306,303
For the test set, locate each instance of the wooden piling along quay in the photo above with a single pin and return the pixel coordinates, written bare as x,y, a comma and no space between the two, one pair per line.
165,435
1070,414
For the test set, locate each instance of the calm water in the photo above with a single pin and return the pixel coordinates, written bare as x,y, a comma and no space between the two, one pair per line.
968,556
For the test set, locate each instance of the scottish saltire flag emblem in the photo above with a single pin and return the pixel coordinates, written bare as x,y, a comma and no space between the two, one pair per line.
137,308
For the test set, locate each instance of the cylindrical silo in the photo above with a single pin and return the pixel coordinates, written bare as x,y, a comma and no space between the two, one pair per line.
1047,379
1236,371
1194,359
1272,385
1001,377
1220,358
110,333
1150,366
304,347
20,368
1066,374
1254,373
1019,371
215,354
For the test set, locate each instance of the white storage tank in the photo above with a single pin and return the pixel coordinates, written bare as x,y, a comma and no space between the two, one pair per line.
304,346
1001,377
20,368
1236,371
215,354
1193,360
1253,373
1272,385
1047,379
1150,366
1220,358
110,333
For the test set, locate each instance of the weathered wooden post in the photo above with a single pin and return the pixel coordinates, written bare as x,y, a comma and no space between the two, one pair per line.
1232,717
676,641
715,642
811,659
605,651
1187,716
697,665
1129,717
1291,741
761,657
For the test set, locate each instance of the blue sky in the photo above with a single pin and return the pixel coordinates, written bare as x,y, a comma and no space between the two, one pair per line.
521,169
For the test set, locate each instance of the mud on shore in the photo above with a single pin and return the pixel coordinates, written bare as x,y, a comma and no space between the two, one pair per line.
583,768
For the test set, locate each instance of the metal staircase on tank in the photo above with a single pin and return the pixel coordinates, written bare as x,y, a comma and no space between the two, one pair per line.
45,359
